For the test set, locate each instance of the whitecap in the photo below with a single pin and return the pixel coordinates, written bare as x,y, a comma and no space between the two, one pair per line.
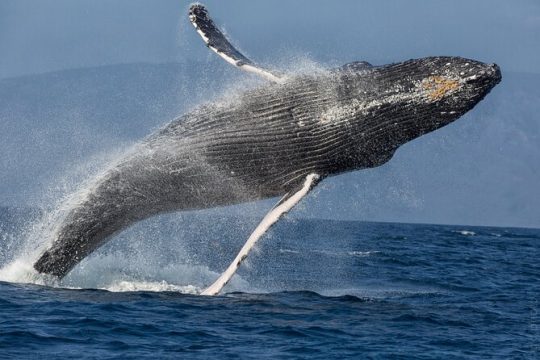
466,232
153,286
362,253
288,251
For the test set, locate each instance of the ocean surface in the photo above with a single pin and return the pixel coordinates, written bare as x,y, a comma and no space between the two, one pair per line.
313,289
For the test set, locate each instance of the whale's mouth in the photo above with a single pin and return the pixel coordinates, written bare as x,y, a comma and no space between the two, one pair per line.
482,81
459,88
489,76
495,73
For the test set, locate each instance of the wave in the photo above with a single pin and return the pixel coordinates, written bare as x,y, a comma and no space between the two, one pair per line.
465,232
355,253
120,272
289,251
151,286
362,253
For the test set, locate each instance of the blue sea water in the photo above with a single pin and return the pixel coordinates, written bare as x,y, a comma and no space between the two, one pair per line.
313,289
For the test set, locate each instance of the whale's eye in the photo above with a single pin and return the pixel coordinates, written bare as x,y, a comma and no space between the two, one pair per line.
436,87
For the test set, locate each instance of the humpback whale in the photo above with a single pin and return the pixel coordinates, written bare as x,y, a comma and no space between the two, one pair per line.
279,139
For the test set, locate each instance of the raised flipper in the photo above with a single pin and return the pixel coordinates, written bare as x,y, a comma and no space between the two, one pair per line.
215,40
282,207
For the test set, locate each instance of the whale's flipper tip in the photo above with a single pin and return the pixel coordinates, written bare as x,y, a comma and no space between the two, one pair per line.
197,8
214,38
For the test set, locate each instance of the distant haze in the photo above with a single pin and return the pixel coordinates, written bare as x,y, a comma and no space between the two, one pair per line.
46,35
484,169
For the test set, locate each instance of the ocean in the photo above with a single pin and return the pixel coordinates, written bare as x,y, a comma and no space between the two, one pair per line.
312,289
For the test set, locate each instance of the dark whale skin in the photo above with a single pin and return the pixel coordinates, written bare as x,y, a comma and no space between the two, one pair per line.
263,142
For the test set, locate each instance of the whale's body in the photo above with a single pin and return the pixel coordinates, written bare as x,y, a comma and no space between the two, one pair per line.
279,139
262,143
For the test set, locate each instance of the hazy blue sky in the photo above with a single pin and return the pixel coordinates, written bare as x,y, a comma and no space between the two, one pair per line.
38,36
483,169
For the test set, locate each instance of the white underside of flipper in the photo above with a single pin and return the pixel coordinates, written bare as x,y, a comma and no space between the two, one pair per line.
218,43
284,206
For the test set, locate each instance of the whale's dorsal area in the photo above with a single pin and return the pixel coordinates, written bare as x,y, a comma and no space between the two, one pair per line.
356,66
217,42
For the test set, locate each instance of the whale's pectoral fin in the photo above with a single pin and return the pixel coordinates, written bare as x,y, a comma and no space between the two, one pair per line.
217,42
282,207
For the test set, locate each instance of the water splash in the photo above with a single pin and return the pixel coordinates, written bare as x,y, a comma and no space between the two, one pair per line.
121,266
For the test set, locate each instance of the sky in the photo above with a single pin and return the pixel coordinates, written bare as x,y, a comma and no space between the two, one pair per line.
481,170
47,35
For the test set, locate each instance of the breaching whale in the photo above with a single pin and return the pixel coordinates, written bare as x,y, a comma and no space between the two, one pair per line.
279,139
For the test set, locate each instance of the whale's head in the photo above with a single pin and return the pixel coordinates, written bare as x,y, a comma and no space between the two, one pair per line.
439,89
396,103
